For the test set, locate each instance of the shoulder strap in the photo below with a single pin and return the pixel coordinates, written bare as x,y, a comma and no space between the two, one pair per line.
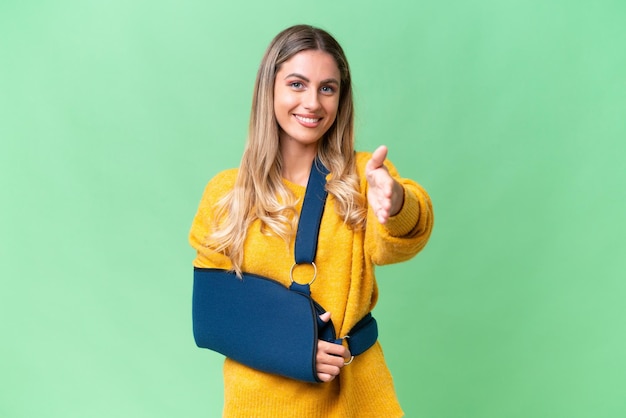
311,214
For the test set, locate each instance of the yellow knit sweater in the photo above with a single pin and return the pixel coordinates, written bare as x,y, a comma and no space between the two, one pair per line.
345,286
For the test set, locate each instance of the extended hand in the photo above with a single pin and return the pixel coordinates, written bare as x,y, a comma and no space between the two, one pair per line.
330,357
385,195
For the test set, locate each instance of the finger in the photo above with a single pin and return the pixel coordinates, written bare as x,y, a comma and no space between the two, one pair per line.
325,316
378,158
379,197
332,366
329,352
327,366
347,355
325,377
382,211
380,154
331,359
330,369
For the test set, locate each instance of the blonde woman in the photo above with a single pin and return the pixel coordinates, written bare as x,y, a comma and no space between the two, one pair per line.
302,110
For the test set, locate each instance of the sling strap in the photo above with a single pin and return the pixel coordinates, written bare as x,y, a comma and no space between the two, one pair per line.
365,333
305,246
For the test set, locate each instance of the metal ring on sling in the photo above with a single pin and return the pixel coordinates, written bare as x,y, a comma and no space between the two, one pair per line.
352,357
314,273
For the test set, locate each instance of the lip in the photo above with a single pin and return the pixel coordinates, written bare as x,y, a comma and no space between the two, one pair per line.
309,121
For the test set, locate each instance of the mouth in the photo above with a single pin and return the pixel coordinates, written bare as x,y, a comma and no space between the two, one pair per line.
307,121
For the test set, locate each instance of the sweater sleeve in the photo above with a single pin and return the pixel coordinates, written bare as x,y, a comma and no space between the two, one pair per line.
405,233
203,221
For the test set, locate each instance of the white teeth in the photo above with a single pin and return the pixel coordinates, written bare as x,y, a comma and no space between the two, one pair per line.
307,120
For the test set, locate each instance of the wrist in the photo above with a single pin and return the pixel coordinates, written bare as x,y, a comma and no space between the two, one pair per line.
397,199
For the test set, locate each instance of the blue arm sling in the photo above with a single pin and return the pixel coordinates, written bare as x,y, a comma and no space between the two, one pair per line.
258,322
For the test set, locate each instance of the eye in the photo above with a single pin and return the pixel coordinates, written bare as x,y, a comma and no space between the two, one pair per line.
328,89
296,85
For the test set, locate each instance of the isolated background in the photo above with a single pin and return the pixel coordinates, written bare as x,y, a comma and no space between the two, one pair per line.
114,115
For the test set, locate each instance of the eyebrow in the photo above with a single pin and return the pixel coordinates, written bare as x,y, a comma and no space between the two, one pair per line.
327,81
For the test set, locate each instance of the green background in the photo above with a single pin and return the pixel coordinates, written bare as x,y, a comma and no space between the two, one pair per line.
114,115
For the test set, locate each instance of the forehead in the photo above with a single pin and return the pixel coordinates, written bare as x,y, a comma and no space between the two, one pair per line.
311,64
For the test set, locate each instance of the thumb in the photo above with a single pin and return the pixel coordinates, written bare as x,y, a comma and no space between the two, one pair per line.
378,158
325,317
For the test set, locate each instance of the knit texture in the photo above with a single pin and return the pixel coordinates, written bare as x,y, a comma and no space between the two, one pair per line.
345,286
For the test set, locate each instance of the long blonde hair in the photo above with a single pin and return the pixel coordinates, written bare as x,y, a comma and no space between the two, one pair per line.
259,192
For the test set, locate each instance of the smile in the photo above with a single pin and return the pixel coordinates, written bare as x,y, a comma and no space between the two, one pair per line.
307,120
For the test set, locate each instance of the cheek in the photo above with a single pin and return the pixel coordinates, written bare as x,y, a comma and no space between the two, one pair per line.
283,101
283,104
332,110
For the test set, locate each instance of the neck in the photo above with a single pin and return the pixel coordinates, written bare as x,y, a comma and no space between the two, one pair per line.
297,166
297,172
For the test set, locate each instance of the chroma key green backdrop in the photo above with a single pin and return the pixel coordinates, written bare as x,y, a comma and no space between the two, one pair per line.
114,114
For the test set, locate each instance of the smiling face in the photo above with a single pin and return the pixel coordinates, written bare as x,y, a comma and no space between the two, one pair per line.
306,98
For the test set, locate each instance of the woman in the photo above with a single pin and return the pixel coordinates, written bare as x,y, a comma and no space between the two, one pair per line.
302,109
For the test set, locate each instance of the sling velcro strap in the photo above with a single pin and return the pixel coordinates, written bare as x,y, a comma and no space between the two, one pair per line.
363,335
259,322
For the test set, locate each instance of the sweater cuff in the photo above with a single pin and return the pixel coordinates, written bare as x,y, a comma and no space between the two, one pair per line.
404,222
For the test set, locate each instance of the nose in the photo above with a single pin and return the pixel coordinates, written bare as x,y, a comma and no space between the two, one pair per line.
311,100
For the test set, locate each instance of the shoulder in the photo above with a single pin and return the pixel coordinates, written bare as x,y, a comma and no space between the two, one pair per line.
222,183
224,179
